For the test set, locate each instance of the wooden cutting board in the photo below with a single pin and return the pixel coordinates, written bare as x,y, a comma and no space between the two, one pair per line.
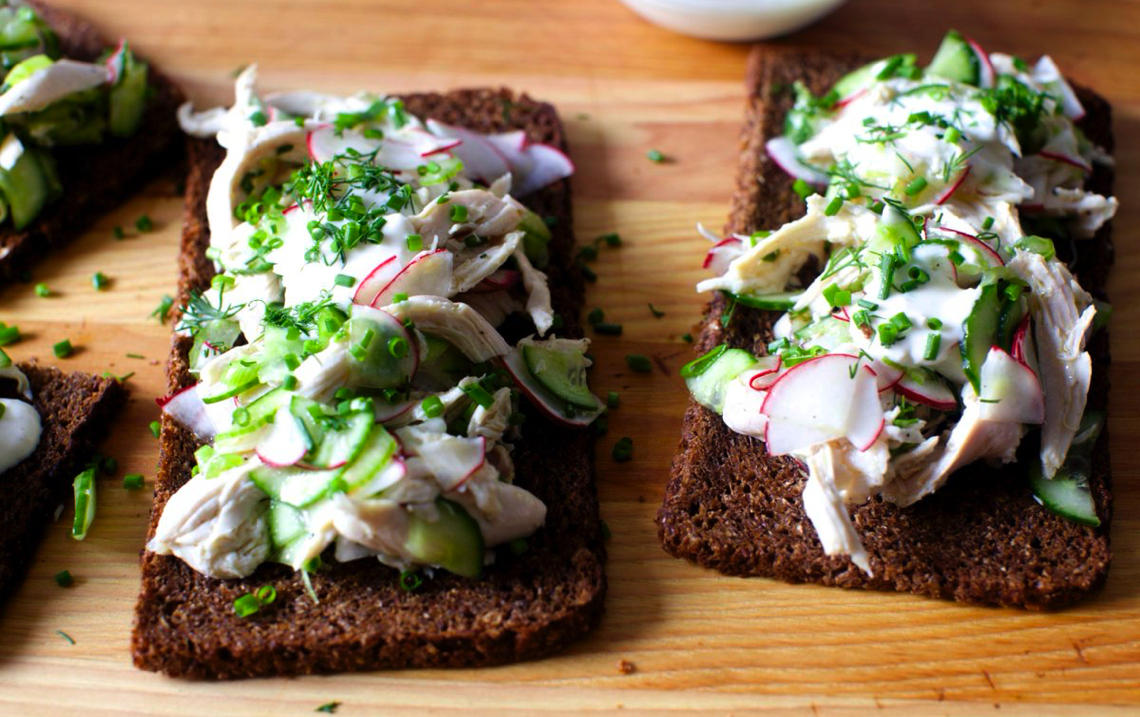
696,641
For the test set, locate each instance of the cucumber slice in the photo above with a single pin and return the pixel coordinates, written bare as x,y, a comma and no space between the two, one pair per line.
867,75
260,412
286,524
956,60
22,181
979,332
375,363
84,503
827,332
25,69
373,458
781,301
128,96
340,447
238,378
454,542
708,377
220,334
563,373
1067,494
442,367
536,239
1008,320
297,487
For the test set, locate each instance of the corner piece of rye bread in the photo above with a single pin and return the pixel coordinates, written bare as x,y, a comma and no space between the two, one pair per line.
96,178
75,409
522,608
981,539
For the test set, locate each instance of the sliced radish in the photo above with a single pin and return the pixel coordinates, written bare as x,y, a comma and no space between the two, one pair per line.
376,280
886,376
186,407
481,159
386,412
933,393
516,366
722,254
499,280
1046,72
784,153
949,191
427,274
1009,390
287,442
325,144
452,460
508,142
548,164
989,252
850,98
1066,159
761,379
115,62
819,401
986,80
742,406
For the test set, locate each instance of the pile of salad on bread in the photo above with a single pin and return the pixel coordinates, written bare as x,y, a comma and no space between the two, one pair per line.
49,101
355,395
941,327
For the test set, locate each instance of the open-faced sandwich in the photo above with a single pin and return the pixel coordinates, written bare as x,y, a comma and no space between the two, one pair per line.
82,124
351,477
903,383
49,422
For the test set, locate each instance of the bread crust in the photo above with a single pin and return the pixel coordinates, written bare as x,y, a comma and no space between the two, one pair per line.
524,607
981,539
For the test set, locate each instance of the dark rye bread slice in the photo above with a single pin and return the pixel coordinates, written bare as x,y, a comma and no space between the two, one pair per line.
981,539
95,178
75,410
524,607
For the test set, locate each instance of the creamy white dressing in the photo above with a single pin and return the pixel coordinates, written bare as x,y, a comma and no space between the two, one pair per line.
20,431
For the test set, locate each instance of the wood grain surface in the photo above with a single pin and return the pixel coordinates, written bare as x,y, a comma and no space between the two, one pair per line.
697,642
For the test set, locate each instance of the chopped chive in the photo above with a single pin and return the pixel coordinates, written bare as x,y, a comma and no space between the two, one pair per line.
611,239
345,280
63,578
596,316
887,268
655,155
656,312
99,280
587,272
155,428
246,605
869,305
289,383
952,135
162,311
861,318
836,296
888,334
1013,291
901,321
623,449
63,349
988,223
479,395
432,406
587,253
934,323
833,206
136,356
133,481
328,707
118,232
9,335
687,338
399,297
639,363
65,636
608,329
266,594
42,290
410,581
915,186
802,188
932,343
458,213
398,346
613,399
144,223
415,242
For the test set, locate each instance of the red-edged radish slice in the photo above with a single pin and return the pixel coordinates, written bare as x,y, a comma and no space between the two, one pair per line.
500,280
452,460
481,159
721,255
949,191
428,273
186,407
516,366
386,412
742,406
287,442
325,144
1023,349
886,376
508,142
933,393
116,62
548,164
784,153
865,421
985,249
1046,72
1009,390
815,402
987,75
377,279
850,98
761,379
1066,159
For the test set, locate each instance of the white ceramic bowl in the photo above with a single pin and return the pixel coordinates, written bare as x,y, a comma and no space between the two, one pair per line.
732,19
